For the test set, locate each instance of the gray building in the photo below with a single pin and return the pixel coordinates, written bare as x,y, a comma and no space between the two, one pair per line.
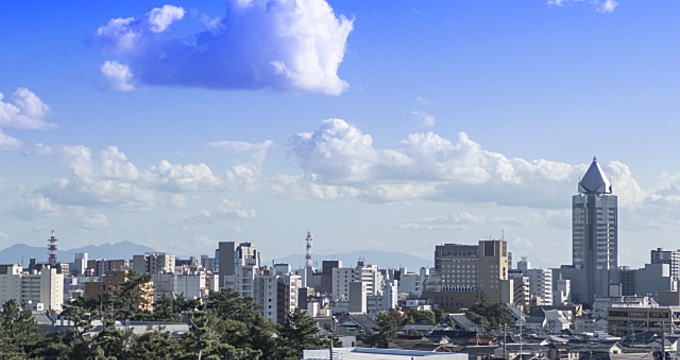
670,257
594,234
226,254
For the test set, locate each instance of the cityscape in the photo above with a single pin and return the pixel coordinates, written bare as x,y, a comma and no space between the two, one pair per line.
339,180
593,306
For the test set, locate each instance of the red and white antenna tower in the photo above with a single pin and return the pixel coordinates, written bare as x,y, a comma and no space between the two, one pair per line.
308,255
52,249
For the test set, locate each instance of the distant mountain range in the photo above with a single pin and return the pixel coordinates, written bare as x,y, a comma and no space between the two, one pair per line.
384,259
121,250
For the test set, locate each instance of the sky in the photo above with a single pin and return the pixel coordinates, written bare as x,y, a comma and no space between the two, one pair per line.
387,124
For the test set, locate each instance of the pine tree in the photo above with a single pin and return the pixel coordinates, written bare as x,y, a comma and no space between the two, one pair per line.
298,332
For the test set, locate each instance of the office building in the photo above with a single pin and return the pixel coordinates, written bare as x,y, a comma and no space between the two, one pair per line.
670,257
327,266
594,233
153,263
467,274
45,286
79,263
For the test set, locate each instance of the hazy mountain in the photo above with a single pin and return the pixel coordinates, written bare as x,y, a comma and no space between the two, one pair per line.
120,250
383,259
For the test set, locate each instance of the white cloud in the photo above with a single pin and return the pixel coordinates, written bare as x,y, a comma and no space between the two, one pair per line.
111,180
608,6
250,152
454,221
184,178
336,151
9,143
234,210
94,221
227,209
426,165
161,18
34,207
118,76
425,119
289,45
602,6
24,111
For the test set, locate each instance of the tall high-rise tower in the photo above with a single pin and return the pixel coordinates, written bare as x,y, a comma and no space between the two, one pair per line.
594,230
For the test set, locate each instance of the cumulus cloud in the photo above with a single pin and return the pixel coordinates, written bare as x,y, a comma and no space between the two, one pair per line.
160,18
118,76
110,179
341,160
23,111
288,45
35,206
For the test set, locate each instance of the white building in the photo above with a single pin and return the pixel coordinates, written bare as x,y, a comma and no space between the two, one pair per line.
540,286
191,285
238,265
40,287
276,293
80,263
341,279
369,275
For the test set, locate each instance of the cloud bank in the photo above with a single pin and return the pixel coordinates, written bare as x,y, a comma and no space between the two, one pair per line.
286,45
339,160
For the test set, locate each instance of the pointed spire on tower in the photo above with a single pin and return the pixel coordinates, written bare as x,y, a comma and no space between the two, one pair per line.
594,181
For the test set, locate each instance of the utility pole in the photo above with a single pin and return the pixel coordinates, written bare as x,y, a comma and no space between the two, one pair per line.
663,340
521,324
505,341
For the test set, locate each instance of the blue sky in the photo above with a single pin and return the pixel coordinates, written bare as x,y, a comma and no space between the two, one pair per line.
453,121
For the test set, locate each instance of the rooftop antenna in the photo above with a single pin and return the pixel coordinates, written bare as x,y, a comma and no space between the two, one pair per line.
503,234
308,256
52,250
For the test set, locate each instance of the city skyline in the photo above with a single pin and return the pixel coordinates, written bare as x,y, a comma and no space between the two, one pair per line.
385,137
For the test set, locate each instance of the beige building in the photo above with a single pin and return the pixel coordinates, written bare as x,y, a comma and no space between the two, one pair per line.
111,286
470,273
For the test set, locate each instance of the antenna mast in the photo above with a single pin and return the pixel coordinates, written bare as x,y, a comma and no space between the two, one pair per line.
308,255
52,250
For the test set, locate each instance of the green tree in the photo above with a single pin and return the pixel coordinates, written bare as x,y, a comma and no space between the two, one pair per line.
240,324
18,331
415,316
130,299
390,323
172,309
490,315
296,333
155,345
